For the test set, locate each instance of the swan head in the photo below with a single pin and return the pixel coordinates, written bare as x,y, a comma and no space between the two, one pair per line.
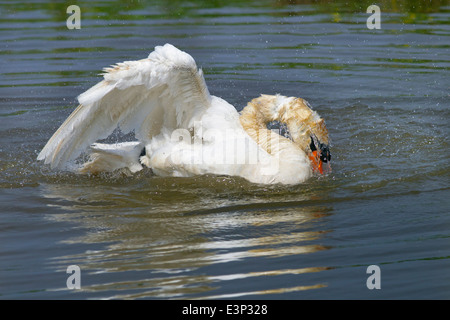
306,129
319,155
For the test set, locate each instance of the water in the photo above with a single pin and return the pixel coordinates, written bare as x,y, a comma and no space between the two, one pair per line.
385,97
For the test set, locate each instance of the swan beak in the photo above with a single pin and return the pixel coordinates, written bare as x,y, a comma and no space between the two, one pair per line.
320,159
316,163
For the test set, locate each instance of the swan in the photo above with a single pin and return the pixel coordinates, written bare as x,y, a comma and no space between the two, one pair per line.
182,130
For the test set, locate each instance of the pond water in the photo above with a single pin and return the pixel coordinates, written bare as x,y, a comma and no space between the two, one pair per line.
384,94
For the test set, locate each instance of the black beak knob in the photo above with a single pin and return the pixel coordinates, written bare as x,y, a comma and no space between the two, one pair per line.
312,145
325,154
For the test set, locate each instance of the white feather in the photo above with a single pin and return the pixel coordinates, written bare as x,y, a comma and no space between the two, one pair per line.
164,90
185,130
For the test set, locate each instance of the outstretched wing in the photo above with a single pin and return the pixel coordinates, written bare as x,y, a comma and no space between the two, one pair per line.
166,90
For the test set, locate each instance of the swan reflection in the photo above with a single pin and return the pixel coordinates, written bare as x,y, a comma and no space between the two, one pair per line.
160,248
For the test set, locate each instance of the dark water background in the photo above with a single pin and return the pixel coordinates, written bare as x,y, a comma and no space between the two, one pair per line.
385,97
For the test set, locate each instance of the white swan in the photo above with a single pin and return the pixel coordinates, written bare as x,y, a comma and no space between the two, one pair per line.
182,130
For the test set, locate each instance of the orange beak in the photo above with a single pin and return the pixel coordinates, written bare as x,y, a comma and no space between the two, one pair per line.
320,154
316,163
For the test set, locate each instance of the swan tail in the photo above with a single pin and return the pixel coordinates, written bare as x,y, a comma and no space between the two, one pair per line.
112,157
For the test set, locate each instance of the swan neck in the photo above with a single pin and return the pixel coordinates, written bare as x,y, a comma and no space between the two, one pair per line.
293,112
255,117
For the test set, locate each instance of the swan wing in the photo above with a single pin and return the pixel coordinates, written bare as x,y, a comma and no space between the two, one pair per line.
166,90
